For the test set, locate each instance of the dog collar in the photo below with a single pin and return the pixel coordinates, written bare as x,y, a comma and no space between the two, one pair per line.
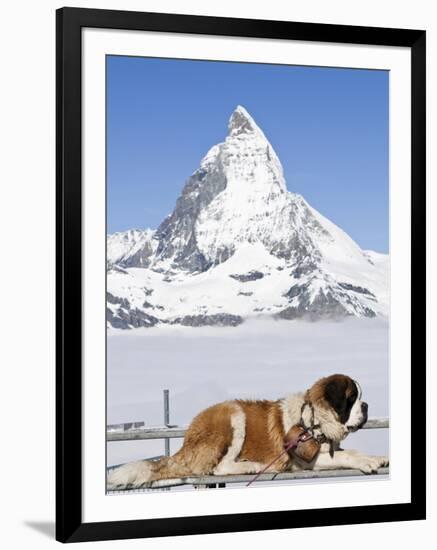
313,429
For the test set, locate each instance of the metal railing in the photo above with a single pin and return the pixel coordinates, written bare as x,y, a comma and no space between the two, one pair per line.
129,432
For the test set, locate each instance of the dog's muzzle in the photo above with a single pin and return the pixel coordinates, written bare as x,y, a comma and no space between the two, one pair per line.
364,412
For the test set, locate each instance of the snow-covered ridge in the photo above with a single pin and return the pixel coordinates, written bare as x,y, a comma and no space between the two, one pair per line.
238,245
132,247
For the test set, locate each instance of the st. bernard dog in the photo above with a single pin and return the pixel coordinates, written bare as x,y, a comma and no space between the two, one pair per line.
243,437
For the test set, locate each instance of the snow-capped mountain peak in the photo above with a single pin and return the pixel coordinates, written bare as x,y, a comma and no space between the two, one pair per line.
235,211
235,196
241,122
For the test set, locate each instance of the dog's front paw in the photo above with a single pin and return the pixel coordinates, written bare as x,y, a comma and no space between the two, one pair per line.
371,464
383,461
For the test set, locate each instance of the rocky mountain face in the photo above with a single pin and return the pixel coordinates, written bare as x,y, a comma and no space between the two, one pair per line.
239,245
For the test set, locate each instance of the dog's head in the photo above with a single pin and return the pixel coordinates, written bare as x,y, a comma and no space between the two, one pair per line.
338,407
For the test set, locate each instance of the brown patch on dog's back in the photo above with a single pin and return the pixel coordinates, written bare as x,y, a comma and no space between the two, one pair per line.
264,432
206,441
208,438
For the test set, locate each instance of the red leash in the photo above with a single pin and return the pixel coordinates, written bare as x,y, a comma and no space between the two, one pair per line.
304,436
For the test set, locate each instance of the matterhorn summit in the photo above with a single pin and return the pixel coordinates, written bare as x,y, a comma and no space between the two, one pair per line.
233,197
237,245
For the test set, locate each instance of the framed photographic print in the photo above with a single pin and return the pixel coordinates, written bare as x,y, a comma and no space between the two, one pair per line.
240,274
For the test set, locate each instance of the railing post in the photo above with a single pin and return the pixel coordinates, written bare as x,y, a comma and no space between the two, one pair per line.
166,421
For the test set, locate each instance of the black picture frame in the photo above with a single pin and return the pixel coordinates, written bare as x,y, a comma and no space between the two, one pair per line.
69,24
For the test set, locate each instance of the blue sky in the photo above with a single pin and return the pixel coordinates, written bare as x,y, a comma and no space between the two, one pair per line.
328,126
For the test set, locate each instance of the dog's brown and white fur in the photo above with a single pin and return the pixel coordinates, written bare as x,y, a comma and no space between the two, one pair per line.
243,437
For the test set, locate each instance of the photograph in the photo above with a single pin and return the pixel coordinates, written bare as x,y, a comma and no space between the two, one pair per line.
247,275
216,294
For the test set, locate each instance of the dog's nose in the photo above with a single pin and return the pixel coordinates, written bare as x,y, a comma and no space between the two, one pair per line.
364,407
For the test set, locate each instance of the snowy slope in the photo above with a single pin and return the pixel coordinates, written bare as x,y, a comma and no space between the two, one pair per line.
239,245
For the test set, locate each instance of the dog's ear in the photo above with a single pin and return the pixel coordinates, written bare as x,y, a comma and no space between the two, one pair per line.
335,394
